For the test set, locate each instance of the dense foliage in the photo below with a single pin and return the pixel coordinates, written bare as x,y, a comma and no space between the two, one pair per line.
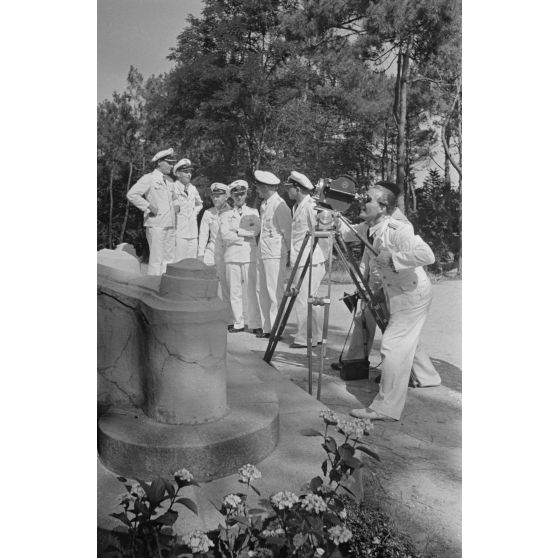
367,88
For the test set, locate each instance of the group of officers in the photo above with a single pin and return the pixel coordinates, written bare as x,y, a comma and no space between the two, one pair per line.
250,251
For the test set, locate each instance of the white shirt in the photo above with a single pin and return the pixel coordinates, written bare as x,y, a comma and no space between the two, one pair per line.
275,236
155,189
238,229
304,219
190,205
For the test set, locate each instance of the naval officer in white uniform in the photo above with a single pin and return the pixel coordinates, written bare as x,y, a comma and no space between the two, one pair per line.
238,230
304,219
154,194
273,248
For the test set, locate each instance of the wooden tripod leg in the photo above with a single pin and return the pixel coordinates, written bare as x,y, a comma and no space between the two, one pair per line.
309,330
325,323
290,293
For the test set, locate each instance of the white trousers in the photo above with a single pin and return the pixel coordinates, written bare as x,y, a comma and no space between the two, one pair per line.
401,352
161,249
300,306
186,248
241,280
422,365
270,287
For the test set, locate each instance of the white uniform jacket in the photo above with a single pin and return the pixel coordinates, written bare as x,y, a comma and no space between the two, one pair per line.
190,205
154,189
275,237
406,285
209,227
304,219
238,229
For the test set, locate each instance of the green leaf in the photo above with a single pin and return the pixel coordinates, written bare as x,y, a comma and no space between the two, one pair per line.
299,539
330,444
315,483
169,487
353,462
168,518
239,519
122,517
369,452
156,492
121,479
324,467
309,432
346,450
191,505
256,490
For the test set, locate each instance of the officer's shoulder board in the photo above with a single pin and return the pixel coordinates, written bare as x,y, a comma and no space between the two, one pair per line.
393,224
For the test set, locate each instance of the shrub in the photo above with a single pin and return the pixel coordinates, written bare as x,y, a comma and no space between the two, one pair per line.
308,525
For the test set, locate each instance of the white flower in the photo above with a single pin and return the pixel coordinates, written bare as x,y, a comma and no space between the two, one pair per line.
319,552
272,532
232,501
342,514
249,473
125,499
199,542
339,534
353,428
138,490
284,499
314,503
329,416
183,475
325,489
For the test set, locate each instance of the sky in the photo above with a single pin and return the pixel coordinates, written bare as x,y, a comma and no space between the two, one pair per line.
137,33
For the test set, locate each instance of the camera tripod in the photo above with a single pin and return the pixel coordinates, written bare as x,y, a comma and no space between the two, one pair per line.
373,302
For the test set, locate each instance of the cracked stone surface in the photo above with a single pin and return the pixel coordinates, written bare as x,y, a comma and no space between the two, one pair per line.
164,354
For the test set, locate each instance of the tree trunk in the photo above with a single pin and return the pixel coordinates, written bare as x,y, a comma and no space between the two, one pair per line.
111,206
125,222
385,151
447,163
402,127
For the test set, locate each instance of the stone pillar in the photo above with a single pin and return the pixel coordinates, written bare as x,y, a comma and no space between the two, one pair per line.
186,338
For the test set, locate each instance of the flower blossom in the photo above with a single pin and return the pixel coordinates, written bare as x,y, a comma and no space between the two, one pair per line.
249,473
339,534
199,542
183,475
329,416
232,501
273,532
284,499
342,514
314,503
354,428
319,552
138,490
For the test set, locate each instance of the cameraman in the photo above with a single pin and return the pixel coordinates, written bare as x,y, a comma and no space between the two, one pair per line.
399,262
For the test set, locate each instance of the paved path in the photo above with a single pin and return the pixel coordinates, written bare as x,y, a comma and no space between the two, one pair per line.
419,480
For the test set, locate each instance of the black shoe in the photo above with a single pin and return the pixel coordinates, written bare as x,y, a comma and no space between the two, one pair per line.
229,327
261,335
258,331
336,365
236,329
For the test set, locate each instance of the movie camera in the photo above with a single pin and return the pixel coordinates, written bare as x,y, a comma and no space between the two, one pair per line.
338,194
